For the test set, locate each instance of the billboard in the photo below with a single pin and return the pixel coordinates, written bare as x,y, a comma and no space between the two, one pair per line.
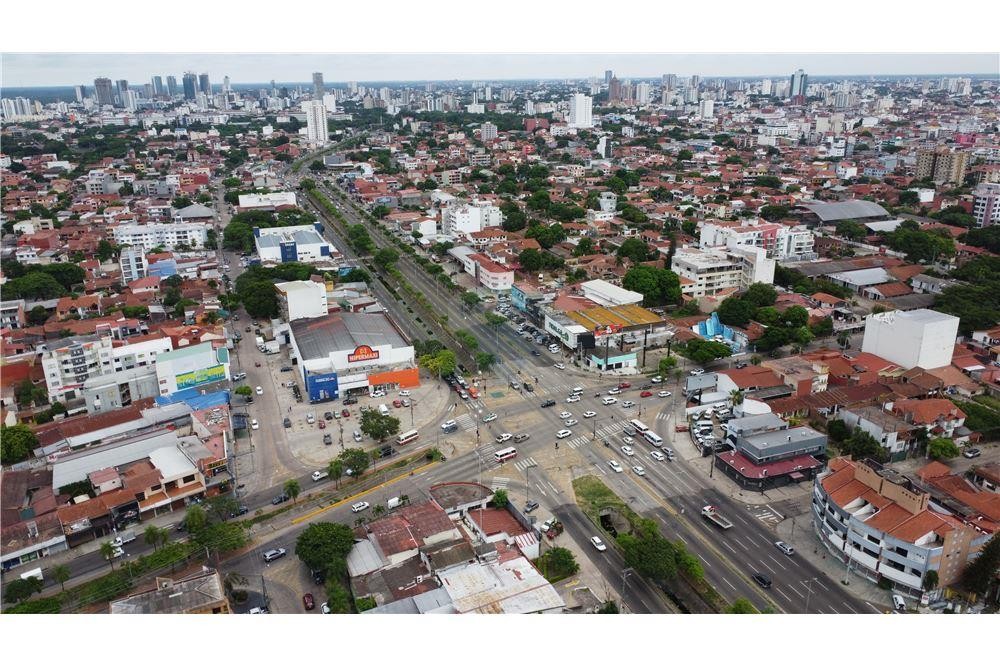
322,387
362,353
201,376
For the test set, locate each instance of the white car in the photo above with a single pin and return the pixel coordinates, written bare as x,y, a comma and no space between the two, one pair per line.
588,414
598,544
360,507
490,417
697,371
564,433
378,393
254,425
561,366
405,392
639,470
656,379
572,399
656,456
614,391
570,422
451,423
504,437
663,394
259,390
628,404
627,440
628,451
614,465
565,414
608,400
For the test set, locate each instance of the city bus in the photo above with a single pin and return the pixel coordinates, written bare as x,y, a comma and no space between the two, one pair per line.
638,425
653,439
406,438
502,455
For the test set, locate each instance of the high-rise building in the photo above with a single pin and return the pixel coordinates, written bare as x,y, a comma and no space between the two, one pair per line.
330,102
172,88
706,109
797,86
942,165
488,132
986,205
642,93
103,90
81,93
121,85
317,131
668,81
614,90
581,109
695,81
158,86
608,75
190,85
130,100
204,85
765,87
225,84
318,88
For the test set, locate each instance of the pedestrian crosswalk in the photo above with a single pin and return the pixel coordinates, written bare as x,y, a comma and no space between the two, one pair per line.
499,483
764,514
521,464
465,422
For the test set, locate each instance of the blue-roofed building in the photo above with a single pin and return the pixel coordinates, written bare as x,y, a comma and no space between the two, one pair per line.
714,329
299,243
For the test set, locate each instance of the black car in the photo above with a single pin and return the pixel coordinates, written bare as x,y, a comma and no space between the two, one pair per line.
741,364
548,404
762,579
645,387
285,369
536,353
327,439
287,422
328,415
318,577
530,507
240,511
528,387
350,400
277,500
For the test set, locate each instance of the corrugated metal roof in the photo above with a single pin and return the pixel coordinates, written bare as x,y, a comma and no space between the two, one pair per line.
845,210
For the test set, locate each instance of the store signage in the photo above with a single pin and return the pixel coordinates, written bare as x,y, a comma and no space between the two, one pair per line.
362,353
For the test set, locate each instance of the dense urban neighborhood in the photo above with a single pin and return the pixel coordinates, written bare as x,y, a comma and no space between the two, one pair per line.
687,344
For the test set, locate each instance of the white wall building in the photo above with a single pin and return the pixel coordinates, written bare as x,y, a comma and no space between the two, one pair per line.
488,132
298,243
191,366
581,110
68,366
780,241
708,272
139,354
299,299
706,109
986,205
267,200
163,235
604,293
133,265
317,131
467,217
922,337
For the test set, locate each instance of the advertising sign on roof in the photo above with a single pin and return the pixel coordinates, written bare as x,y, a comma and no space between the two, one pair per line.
362,353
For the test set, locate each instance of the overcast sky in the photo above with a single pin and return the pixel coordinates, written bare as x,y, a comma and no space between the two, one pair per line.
55,69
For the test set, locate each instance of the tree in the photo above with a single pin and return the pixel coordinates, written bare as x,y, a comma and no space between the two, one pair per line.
381,211
703,351
61,574
735,312
558,563
500,498
930,580
317,166
336,470
243,390
862,445
108,552
292,489
773,212
195,519
851,230
338,598
741,606
634,249
909,198
980,574
356,460
321,543
648,551
442,362
222,507
761,294
378,426
665,365
19,589
657,286
485,360
736,396
942,448
16,443
232,580
106,250
584,247
386,257
151,536
838,430
470,298
37,316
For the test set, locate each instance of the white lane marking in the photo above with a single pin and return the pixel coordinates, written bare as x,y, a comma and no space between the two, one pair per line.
777,563
726,544
820,584
782,516
730,585
783,594
877,610
797,591
768,567
739,542
832,609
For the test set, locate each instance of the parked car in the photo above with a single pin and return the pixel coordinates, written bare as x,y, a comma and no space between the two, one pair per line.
624,385
273,554
259,390
565,414
327,439
530,507
696,371
564,433
663,394
588,414
308,602
656,379
404,392
254,424
561,366
571,422
280,498
645,394
360,506
327,415
397,403
321,424
521,437
345,413
971,452
287,422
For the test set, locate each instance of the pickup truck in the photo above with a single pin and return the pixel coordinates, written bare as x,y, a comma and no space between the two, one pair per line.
124,537
711,512
320,474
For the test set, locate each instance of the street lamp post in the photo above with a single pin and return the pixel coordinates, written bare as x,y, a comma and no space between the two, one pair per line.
809,590
625,575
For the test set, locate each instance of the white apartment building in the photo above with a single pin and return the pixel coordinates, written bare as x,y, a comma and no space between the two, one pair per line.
301,299
922,337
133,265
708,272
581,111
642,93
267,200
139,354
162,235
488,132
461,217
706,109
986,205
298,243
317,131
68,366
780,241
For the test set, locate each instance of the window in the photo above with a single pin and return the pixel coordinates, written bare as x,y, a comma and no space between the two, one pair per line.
188,479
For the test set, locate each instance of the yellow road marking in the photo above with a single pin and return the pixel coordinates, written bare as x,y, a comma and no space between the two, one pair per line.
319,511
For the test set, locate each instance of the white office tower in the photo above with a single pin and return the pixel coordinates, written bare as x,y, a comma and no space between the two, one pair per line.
602,147
330,102
529,107
488,132
765,87
581,109
706,109
317,132
642,91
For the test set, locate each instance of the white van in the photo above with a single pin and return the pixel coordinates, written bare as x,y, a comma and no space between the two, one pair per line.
652,438
704,423
393,503
608,400
383,410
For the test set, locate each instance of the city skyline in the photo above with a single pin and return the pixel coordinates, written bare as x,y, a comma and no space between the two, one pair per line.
46,70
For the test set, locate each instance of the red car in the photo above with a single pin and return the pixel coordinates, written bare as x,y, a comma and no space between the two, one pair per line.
322,424
345,413
624,385
646,394
308,602
397,403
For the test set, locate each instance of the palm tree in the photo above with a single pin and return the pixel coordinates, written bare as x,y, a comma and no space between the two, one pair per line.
378,510
108,551
61,574
292,489
152,536
336,470
232,580
736,397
